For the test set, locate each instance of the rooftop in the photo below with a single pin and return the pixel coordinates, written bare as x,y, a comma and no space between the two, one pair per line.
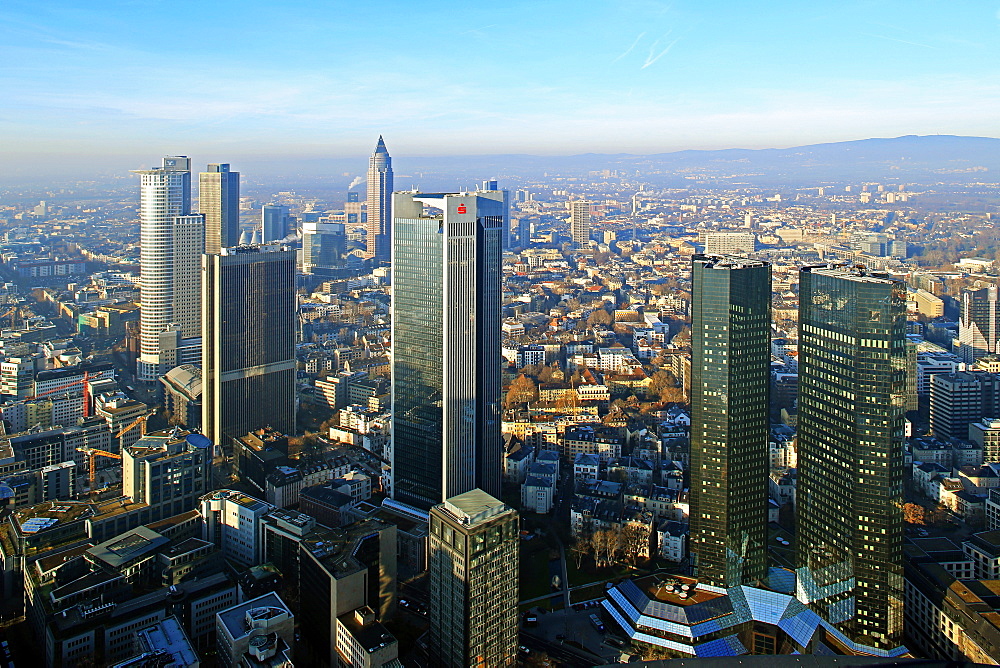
128,546
474,506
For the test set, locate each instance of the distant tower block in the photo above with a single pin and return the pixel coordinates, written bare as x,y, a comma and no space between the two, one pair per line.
379,222
748,219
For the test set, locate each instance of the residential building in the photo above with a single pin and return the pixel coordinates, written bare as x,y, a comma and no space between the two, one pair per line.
731,373
219,202
248,352
473,616
729,243
849,496
172,241
446,346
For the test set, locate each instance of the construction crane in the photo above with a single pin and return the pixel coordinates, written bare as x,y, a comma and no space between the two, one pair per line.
139,421
86,392
92,455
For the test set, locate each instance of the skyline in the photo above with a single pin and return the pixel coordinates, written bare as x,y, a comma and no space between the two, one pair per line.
635,76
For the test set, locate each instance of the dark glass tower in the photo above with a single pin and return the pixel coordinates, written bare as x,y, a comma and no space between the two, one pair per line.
446,346
473,583
852,391
730,370
219,202
248,345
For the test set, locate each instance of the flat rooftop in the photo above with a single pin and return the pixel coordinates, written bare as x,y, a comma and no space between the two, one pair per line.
675,589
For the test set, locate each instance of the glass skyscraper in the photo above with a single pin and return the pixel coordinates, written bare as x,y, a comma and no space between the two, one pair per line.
172,240
730,371
852,391
473,582
446,346
248,349
219,202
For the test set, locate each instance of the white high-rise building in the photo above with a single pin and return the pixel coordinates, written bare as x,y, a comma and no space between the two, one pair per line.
172,241
579,223
729,243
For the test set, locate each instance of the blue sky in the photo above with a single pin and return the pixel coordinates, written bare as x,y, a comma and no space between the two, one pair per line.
290,78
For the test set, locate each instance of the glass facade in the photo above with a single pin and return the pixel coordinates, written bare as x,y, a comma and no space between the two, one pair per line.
446,346
219,202
730,371
248,351
473,612
852,389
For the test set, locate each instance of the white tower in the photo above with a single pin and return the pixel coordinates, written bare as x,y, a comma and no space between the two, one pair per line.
172,242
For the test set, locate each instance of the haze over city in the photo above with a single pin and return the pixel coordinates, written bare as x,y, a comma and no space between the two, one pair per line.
109,84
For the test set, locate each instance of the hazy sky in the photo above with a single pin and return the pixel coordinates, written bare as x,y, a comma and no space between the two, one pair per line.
220,79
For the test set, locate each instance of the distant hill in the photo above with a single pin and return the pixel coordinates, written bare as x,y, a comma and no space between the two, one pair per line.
910,158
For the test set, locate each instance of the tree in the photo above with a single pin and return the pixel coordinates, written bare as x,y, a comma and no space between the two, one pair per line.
914,513
633,542
581,547
660,381
522,390
599,316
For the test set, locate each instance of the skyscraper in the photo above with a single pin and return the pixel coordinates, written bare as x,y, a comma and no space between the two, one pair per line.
579,223
852,385
219,201
379,222
323,246
274,223
473,588
491,189
979,324
446,346
731,372
248,351
172,242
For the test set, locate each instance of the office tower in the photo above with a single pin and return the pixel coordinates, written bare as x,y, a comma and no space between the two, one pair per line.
172,242
323,246
579,223
979,324
731,373
341,570
274,222
524,232
446,346
473,583
354,208
852,385
168,470
961,398
379,222
490,189
219,202
248,352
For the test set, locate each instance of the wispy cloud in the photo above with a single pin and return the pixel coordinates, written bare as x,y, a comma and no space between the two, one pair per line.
631,48
654,55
